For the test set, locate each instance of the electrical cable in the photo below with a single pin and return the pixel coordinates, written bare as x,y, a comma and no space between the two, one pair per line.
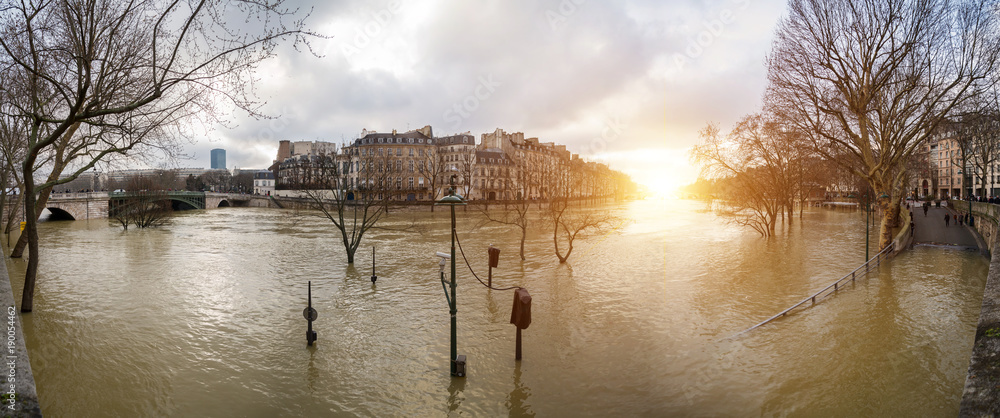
473,271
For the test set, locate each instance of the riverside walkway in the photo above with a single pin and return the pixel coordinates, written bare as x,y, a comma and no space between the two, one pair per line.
931,229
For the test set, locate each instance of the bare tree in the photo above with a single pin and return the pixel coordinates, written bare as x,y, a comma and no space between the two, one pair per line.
144,203
465,167
977,132
12,153
515,213
243,182
875,78
354,208
569,220
106,77
433,167
756,159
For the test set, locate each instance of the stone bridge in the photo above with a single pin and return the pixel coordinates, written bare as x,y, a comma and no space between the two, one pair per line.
94,205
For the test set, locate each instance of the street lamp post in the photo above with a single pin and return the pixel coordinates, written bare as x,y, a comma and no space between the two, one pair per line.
457,362
969,197
868,215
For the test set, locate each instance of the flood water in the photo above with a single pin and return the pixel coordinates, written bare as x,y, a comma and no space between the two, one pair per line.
203,317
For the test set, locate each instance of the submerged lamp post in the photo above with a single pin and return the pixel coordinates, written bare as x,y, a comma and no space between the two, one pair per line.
452,200
310,315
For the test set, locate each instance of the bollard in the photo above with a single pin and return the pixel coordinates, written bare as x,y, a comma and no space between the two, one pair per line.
374,277
310,314
520,316
494,254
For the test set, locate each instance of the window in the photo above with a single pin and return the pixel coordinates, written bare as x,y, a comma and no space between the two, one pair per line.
399,183
411,168
420,181
411,182
399,152
399,165
421,152
380,152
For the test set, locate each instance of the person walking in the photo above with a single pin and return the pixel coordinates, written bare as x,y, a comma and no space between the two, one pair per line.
947,218
926,206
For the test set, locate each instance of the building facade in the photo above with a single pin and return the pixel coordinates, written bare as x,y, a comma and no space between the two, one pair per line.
263,183
218,159
416,166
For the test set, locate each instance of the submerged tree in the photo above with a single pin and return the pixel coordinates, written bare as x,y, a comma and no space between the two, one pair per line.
568,217
144,203
758,164
874,79
355,201
514,213
96,78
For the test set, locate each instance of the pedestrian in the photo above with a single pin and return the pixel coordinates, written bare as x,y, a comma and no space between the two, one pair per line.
947,218
927,205
960,219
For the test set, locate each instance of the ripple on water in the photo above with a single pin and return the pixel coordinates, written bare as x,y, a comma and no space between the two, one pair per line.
204,318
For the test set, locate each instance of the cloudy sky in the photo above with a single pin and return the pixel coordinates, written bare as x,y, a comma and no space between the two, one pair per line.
629,83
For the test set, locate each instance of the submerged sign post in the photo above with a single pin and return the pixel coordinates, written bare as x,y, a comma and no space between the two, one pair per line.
310,314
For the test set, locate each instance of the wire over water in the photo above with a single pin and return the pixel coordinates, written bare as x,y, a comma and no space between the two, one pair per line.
474,272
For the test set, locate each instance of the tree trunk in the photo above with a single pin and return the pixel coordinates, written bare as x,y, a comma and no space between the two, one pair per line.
524,234
31,235
43,199
555,240
890,218
350,254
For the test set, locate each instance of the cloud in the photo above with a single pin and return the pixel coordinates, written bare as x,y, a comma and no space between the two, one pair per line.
567,71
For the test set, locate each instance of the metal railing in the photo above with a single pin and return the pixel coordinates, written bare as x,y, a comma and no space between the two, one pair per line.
868,266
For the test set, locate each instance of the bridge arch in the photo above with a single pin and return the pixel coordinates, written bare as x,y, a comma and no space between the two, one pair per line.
59,214
182,204
224,204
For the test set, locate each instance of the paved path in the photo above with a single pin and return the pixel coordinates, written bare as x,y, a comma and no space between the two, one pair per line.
931,229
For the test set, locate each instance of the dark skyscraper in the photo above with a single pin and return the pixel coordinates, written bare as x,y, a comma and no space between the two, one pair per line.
218,158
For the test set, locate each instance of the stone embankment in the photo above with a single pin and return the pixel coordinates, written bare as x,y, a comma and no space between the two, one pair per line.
17,377
981,396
